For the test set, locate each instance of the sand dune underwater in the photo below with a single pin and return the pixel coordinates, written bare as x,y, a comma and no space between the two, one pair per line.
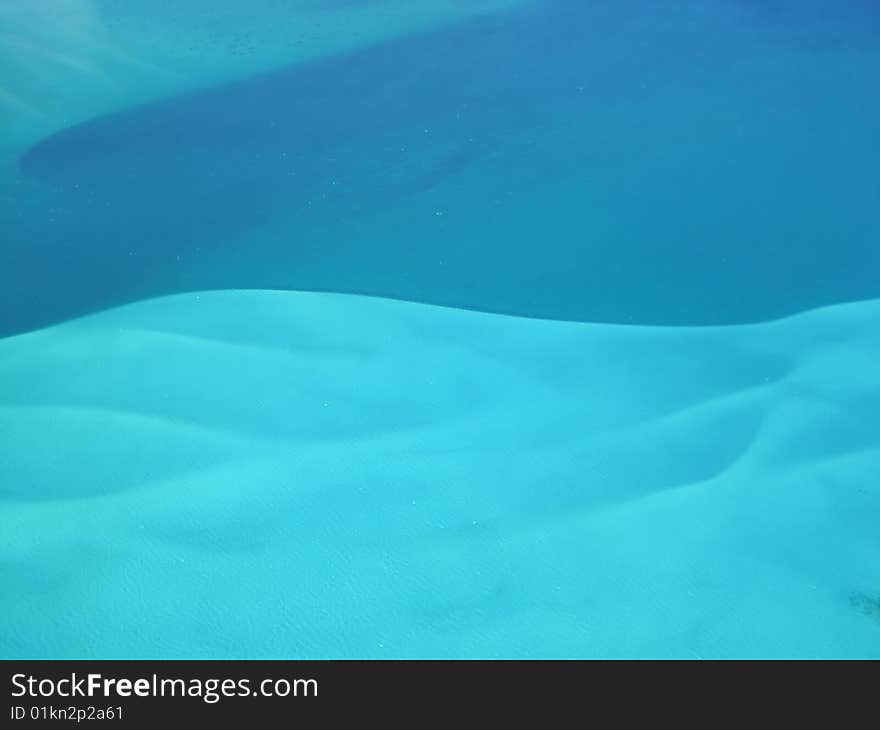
321,475
236,421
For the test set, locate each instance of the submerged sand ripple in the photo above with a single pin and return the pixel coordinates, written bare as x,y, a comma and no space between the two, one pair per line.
293,474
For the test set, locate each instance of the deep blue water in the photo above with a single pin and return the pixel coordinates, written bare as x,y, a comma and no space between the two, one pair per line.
602,161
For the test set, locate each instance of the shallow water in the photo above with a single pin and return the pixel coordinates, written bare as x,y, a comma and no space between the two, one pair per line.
557,461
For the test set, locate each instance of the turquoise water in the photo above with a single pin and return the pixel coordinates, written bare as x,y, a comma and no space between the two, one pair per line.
520,328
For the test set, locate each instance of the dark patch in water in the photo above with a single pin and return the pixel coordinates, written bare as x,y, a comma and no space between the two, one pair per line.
866,604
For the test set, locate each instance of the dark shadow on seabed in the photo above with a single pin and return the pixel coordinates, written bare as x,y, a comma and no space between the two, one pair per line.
587,161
